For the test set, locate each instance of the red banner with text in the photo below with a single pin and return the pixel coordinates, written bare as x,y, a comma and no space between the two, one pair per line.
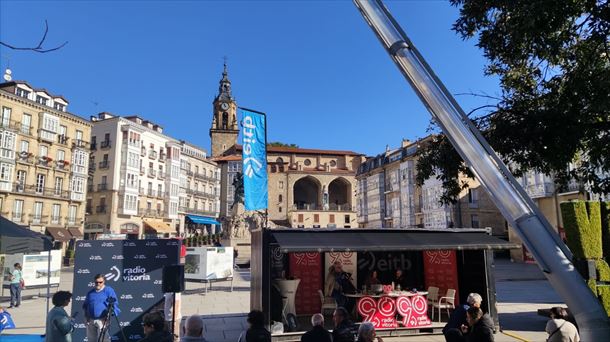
308,268
440,270
382,312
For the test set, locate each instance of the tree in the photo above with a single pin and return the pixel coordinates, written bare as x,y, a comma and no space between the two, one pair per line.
281,144
37,48
553,62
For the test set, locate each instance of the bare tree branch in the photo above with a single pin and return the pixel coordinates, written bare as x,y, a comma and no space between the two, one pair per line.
39,47
480,95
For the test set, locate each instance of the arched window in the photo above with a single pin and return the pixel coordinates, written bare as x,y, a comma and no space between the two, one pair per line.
280,198
225,120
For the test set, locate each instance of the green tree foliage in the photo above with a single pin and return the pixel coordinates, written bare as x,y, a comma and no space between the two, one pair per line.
281,144
582,223
553,62
605,214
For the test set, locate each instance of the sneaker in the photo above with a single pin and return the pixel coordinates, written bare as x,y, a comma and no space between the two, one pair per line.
10,307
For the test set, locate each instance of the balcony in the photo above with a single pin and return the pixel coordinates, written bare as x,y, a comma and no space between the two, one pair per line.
89,187
39,219
91,166
105,144
103,165
143,152
100,208
194,211
24,157
56,220
102,187
152,154
162,157
80,144
63,165
10,125
48,136
161,175
152,173
189,173
93,146
572,186
17,217
62,139
88,210
151,193
73,221
314,207
44,161
151,213
40,191
142,170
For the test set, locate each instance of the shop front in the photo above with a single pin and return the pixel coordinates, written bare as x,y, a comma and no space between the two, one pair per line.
398,275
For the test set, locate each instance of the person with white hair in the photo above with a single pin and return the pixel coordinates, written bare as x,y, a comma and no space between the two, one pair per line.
458,316
366,333
192,331
318,333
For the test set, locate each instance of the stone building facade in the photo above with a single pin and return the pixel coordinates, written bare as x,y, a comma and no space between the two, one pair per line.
44,153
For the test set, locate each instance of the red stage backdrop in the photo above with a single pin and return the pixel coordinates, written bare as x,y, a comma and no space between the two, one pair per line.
308,268
412,311
440,270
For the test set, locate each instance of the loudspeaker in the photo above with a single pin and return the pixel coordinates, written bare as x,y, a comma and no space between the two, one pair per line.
173,278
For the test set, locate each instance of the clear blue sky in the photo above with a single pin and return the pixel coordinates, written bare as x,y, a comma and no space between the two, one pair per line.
314,67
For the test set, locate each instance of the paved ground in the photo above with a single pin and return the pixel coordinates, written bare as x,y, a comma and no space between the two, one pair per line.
521,290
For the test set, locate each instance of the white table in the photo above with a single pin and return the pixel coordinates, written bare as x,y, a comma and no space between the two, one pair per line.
288,289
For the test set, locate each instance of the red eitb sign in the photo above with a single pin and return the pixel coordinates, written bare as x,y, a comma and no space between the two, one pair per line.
382,311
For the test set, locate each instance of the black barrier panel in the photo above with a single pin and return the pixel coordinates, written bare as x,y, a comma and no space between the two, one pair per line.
134,269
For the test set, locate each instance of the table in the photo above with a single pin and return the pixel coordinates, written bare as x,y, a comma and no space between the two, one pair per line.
411,309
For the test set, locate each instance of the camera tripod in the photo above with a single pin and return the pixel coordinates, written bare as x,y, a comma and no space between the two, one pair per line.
106,325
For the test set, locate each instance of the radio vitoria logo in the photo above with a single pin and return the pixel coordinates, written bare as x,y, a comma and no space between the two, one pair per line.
137,273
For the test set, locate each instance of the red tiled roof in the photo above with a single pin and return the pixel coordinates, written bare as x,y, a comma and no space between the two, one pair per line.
297,150
231,157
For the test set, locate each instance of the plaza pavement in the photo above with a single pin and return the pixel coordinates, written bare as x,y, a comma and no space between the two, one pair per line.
521,291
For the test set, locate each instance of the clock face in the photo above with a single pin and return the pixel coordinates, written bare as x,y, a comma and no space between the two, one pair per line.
224,106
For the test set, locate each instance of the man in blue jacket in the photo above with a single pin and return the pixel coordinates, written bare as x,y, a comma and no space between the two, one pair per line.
97,303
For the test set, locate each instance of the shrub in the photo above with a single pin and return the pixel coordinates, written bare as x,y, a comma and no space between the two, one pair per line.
603,270
582,223
605,218
604,296
592,283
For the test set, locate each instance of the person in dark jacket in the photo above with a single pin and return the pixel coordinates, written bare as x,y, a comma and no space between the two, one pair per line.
480,327
458,316
155,329
344,328
59,324
257,331
318,333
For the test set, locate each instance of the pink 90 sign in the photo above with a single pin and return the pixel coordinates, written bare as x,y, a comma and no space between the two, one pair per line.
382,311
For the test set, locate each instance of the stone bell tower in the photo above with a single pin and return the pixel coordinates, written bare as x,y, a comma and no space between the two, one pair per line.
225,130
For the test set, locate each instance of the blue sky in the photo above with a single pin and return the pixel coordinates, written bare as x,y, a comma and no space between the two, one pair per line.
314,67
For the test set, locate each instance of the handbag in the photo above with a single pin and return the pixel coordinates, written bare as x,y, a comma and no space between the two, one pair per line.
22,283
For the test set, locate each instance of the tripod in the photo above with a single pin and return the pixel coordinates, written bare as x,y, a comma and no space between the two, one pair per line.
106,325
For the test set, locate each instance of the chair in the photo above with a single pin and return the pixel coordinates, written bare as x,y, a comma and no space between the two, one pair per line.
432,298
326,302
447,302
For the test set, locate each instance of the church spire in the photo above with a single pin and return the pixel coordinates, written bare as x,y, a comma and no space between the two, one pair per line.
224,88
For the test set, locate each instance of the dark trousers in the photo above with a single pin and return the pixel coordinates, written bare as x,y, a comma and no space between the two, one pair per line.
454,335
342,300
15,294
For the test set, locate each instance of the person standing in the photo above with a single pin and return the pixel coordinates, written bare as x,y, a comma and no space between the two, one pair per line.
59,323
337,284
97,304
257,331
558,327
318,333
17,284
458,316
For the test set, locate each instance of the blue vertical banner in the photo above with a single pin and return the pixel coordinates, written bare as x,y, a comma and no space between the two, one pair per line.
254,159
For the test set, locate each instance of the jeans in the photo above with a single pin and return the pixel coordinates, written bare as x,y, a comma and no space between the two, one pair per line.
15,294
94,327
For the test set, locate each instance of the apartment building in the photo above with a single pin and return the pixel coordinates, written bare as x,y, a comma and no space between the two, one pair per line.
134,182
44,154
388,196
199,203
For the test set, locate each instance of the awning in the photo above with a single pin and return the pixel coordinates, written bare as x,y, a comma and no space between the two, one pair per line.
384,240
202,219
59,234
159,226
76,233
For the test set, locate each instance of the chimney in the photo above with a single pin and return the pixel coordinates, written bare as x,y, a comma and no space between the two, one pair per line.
405,142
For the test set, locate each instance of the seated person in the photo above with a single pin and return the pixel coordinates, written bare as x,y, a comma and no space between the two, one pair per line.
337,284
372,280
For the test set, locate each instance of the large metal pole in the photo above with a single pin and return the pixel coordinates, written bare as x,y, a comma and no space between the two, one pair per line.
551,254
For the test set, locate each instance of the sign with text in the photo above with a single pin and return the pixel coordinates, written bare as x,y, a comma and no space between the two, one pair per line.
134,269
254,159
382,311
308,268
440,270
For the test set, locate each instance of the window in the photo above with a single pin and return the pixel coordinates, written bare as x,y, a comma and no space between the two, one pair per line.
61,155
23,93
21,177
26,123
55,213
25,146
43,151
59,106
5,120
316,218
307,162
78,184
6,174
280,209
175,171
79,135
41,100
18,211
300,218
210,206
7,145
63,131
196,186
174,190
347,219
159,190
72,215
173,208
473,198
79,161
132,181
331,218
130,202
133,160
280,184
40,178
49,127
279,198
474,221
37,212
59,184
196,205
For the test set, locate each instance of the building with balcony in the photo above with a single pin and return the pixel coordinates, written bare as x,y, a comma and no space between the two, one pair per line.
44,154
388,196
199,203
136,184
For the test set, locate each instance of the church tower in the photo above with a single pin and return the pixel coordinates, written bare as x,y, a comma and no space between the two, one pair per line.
224,131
